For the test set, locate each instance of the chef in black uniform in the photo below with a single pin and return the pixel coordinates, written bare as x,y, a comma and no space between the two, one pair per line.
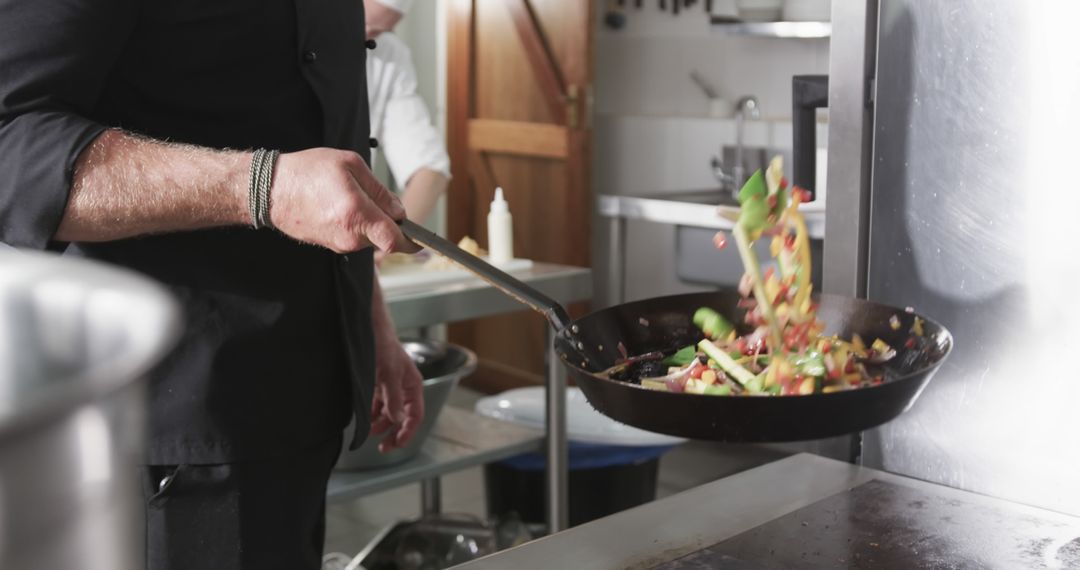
126,135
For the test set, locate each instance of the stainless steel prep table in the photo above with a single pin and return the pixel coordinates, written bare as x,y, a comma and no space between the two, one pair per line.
459,439
811,512
418,307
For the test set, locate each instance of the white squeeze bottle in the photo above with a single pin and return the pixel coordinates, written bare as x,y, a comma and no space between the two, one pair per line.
500,230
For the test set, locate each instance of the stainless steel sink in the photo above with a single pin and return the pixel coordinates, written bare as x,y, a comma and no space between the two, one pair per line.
697,261
694,216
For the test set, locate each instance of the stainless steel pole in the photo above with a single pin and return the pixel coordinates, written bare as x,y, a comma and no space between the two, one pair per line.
557,454
616,289
852,71
431,496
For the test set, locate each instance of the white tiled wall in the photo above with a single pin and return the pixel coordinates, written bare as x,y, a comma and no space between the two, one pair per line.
652,129
644,68
648,155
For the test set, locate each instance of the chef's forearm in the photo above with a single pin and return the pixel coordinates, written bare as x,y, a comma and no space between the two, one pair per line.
124,186
422,192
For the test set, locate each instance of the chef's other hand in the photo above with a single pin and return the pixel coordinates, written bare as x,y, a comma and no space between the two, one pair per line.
329,197
398,406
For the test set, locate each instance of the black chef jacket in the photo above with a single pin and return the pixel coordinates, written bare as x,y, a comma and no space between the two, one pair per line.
275,329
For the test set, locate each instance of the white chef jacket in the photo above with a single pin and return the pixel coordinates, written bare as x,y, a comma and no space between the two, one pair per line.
399,117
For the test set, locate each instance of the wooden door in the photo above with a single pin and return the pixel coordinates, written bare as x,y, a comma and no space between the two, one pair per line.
519,75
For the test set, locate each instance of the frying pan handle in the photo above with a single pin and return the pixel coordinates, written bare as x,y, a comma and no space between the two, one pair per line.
539,302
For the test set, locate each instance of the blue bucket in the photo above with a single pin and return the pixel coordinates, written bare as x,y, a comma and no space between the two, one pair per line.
590,456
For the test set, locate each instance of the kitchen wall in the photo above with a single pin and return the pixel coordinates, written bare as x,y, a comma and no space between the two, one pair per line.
652,129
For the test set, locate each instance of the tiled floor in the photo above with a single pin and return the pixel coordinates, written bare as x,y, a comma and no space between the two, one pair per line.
352,525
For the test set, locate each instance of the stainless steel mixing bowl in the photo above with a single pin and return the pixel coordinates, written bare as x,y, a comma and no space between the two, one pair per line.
442,365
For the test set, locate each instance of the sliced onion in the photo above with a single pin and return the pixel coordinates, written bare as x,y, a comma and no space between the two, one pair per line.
757,338
747,303
676,381
746,285
876,357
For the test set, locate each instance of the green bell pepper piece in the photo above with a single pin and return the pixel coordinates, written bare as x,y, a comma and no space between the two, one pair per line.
712,323
781,202
753,215
811,364
718,390
754,186
756,385
684,356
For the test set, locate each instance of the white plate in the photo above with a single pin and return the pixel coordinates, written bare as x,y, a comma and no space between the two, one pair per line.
525,406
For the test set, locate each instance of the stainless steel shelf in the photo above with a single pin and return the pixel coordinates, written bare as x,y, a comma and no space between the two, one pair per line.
459,440
797,30
425,306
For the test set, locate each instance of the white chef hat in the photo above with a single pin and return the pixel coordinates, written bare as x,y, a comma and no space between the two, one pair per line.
398,5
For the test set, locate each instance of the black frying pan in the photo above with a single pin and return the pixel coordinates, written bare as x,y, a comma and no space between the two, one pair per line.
590,345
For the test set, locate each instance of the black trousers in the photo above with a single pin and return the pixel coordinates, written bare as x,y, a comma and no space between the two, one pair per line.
248,515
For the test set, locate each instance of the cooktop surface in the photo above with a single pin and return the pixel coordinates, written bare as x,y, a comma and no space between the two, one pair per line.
885,525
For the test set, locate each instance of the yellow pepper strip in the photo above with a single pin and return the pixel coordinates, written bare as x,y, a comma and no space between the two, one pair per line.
802,249
851,379
917,327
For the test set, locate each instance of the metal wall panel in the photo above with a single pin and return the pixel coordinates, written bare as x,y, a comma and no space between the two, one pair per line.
970,220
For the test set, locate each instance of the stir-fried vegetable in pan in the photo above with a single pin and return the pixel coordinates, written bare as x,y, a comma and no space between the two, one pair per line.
785,353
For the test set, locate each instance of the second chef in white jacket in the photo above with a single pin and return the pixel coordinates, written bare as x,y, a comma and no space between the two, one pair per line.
413,147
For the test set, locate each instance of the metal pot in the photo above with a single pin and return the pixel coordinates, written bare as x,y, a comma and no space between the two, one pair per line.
75,338
442,365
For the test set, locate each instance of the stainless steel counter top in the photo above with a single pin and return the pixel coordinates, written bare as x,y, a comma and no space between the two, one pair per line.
416,307
688,209
689,527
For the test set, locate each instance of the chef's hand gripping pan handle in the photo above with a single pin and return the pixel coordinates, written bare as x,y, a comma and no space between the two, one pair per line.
541,303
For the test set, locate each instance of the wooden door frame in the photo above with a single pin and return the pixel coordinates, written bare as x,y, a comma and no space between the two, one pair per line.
471,139
565,91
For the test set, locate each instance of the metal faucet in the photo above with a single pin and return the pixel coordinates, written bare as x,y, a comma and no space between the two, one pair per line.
744,108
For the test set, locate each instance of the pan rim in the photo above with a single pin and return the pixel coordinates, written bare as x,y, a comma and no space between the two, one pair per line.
944,336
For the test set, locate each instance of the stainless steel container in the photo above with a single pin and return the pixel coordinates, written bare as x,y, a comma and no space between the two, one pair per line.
442,365
75,337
